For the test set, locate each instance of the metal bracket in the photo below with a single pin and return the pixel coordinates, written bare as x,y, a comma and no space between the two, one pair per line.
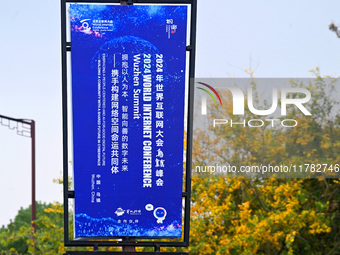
126,2
70,193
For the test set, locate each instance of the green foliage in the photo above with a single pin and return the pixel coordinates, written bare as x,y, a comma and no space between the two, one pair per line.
16,238
269,216
238,215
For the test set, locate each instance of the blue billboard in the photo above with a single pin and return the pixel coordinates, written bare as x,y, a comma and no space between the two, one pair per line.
128,93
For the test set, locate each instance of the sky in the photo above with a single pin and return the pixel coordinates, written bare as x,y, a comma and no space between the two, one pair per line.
276,39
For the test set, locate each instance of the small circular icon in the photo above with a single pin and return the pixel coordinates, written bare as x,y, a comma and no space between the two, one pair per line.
160,214
149,207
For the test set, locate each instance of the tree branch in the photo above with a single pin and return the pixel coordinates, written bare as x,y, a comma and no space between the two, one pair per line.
335,29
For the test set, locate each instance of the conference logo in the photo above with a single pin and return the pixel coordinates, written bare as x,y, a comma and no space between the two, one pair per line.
119,211
281,98
85,26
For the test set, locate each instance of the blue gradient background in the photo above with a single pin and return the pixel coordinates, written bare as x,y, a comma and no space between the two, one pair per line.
136,30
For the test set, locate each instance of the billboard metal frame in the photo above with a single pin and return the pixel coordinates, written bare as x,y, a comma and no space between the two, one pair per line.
186,193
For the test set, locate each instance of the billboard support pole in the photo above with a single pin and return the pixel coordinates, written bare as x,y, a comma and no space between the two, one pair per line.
33,174
129,248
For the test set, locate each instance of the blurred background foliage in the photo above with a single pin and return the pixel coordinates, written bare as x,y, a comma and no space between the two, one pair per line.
239,215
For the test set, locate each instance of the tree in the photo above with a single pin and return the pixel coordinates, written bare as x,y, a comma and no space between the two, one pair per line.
17,237
48,239
253,215
259,215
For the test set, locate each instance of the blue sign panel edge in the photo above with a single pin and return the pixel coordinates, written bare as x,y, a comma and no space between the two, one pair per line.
164,102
